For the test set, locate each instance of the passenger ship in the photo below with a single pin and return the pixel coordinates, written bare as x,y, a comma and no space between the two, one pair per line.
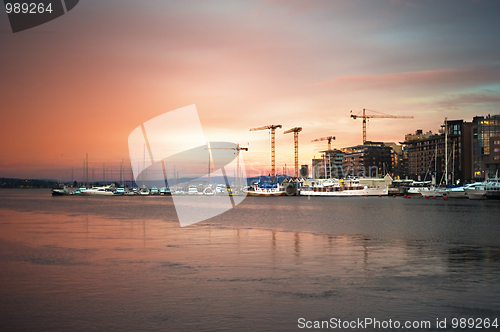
342,188
266,189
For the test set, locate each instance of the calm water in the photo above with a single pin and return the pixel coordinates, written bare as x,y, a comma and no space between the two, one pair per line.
124,263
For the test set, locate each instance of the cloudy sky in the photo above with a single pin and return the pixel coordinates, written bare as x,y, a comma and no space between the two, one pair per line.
83,82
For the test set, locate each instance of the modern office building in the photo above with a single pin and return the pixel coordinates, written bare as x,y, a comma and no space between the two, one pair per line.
371,159
473,151
485,147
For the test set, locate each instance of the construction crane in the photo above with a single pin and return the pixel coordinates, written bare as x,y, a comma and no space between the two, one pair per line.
237,148
273,152
329,139
381,116
295,132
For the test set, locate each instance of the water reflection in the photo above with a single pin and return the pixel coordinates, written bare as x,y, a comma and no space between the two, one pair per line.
81,271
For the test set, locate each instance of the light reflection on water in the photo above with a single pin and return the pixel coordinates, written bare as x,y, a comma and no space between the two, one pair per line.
123,263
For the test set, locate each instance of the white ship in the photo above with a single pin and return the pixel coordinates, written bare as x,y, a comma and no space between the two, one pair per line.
342,188
101,191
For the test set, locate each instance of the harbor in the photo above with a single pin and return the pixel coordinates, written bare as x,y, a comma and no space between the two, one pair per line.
250,166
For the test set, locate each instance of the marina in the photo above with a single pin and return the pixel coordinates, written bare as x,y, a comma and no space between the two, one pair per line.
349,187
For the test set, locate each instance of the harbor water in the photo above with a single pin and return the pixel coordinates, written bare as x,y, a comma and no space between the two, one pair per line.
75,263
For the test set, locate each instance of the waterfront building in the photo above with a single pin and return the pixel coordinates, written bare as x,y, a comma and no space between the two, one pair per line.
426,154
485,146
399,160
329,165
473,151
371,159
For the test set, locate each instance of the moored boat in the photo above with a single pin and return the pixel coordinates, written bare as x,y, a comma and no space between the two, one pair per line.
492,188
165,191
60,190
192,190
341,188
144,191
266,189
120,191
460,192
433,192
477,192
100,191
208,191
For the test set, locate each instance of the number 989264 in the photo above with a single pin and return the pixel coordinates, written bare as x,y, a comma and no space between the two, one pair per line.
27,8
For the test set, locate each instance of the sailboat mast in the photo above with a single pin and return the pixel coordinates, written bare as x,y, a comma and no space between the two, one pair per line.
208,168
453,163
435,163
446,150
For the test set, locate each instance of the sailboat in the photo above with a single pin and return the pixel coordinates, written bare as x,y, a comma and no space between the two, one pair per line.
436,191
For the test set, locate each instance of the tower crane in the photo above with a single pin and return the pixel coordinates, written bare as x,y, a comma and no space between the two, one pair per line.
381,116
295,132
273,152
329,139
237,148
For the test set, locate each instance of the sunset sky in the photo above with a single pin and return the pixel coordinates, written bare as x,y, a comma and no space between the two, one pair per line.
83,82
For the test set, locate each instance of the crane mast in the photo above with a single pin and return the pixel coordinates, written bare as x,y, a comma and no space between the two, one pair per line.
295,132
273,149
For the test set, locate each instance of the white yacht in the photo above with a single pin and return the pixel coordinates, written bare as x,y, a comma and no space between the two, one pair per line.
208,191
489,189
459,192
476,192
192,190
101,191
144,191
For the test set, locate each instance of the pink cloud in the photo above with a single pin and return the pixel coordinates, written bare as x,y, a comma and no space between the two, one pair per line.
468,75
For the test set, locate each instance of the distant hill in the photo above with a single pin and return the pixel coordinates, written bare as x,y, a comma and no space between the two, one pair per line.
47,183
26,183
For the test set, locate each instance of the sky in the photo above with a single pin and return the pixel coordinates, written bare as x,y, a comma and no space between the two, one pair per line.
83,82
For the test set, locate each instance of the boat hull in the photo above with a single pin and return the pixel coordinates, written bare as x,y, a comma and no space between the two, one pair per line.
432,192
413,191
457,194
59,193
97,193
265,194
476,194
348,193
